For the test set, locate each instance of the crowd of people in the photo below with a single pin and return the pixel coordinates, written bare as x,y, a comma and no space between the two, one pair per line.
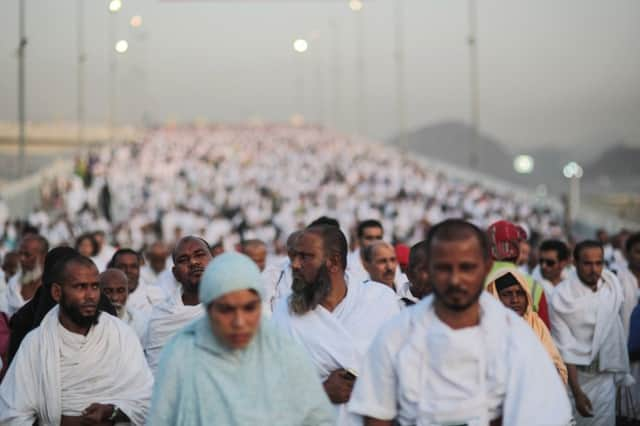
234,183
286,276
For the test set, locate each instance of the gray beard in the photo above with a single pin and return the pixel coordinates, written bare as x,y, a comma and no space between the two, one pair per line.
28,277
307,295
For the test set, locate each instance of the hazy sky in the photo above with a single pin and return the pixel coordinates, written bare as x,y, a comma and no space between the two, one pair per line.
551,72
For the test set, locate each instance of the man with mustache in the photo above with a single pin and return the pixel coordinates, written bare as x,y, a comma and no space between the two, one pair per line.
334,317
23,285
381,263
78,367
587,326
458,356
190,258
142,296
368,232
114,285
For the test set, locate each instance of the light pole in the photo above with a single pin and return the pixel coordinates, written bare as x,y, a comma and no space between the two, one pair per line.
401,106
300,46
523,164
356,6
474,155
22,46
81,80
336,70
114,7
573,171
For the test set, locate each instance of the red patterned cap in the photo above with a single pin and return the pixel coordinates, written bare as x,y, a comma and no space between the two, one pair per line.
504,239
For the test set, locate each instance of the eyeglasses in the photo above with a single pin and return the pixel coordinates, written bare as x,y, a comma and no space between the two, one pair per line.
548,262
372,237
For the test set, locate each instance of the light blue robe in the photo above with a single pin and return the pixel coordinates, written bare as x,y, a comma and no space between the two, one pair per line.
270,382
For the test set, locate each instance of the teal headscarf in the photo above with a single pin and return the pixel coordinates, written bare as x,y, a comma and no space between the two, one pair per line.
226,273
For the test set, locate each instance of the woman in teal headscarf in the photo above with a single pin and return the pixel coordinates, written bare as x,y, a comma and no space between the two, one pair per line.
231,368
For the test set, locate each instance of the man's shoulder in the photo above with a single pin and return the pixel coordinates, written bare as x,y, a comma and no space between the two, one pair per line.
394,332
115,324
374,290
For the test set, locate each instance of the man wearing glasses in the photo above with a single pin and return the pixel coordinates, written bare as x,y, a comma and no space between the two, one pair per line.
553,259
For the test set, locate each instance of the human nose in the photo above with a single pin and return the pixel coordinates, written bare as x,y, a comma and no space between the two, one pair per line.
238,320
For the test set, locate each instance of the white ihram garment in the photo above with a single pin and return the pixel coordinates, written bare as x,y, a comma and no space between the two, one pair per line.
340,339
166,320
56,372
421,372
588,330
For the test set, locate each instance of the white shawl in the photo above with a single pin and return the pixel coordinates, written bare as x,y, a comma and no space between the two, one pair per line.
436,375
145,297
341,338
13,299
587,325
108,368
165,321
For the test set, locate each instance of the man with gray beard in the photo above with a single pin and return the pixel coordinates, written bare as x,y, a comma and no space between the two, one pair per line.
333,317
23,285
114,284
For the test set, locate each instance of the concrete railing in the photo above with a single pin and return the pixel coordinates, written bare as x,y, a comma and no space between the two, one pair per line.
23,195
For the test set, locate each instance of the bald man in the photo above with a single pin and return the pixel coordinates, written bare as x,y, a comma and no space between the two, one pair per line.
190,257
114,285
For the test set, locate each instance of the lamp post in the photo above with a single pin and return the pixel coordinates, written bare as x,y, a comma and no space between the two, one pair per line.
114,7
22,46
401,107
356,6
523,164
300,46
82,58
474,156
573,172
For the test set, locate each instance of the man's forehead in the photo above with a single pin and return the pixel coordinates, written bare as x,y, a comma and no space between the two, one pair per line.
29,244
83,272
466,246
189,246
127,258
592,253
383,250
307,241
375,230
549,253
113,282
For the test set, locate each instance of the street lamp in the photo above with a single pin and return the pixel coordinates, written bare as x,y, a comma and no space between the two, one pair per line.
300,45
115,5
523,164
122,46
573,171
136,21
355,5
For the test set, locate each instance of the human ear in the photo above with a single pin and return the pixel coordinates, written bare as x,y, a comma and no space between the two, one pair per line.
56,292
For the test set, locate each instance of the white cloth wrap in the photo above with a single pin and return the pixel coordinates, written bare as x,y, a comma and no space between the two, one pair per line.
56,372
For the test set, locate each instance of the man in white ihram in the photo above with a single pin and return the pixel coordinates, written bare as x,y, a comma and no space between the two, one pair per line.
333,317
587,318
458,357
78,367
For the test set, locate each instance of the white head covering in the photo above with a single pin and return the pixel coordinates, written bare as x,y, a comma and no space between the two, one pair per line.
226,273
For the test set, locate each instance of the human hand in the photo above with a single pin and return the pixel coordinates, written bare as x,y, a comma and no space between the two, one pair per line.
338,386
